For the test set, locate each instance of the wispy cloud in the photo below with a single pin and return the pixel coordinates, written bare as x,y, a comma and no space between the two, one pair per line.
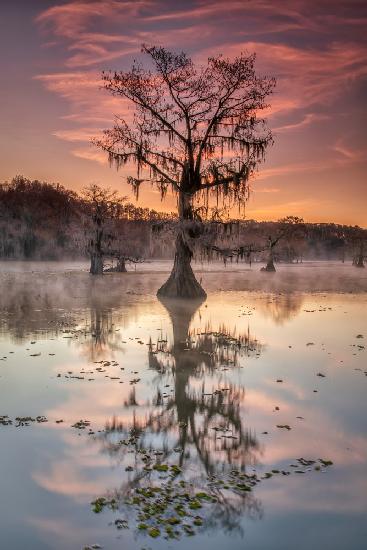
267,190
307,120
344,158
75,17
349,154
83,136
286,208
77,134
306,77
292,168
87,100
91,153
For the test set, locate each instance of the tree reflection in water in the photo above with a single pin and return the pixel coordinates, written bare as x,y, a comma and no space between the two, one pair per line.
281,307
196,431
98,332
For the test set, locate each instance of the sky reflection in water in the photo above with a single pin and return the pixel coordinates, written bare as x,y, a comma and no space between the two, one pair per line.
200,384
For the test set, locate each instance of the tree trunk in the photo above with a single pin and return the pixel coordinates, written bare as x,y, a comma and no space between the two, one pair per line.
182,282
270,268
270,265
121,267
360,262
360,257
96,264
96,258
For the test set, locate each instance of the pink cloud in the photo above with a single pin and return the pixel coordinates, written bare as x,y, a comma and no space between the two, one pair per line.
91,153
83,135
73,22
71,86
72,18
76,135
65,480
259,15
205,9
305,77
86,97
90,54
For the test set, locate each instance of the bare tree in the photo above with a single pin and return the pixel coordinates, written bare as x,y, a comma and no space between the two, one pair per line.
288,227
195,131
104,205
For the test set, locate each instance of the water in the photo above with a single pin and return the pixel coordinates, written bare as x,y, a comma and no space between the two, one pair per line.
200,388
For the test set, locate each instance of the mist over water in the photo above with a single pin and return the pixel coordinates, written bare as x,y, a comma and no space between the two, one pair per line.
270,369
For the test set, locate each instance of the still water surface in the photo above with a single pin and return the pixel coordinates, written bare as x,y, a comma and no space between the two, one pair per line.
211,404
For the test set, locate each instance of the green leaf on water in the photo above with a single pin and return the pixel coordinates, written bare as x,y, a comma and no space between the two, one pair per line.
195,505
154,532
160,467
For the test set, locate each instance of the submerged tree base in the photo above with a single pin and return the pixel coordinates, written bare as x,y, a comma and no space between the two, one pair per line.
120,267
182,282
96,264
182,286
270,267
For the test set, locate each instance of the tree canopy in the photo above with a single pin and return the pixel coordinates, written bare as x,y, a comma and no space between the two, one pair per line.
193,129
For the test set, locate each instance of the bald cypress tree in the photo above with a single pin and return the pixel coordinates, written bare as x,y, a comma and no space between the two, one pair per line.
196,131
103,205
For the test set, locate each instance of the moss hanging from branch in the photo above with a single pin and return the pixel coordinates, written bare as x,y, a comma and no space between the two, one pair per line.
195,130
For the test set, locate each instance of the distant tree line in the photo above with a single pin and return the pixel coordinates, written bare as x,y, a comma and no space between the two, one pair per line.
290,240
46,221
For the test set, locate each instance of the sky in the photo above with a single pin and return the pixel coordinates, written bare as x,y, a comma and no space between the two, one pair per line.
52,103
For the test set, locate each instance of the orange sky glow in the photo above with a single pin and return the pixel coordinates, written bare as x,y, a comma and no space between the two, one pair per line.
52,103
